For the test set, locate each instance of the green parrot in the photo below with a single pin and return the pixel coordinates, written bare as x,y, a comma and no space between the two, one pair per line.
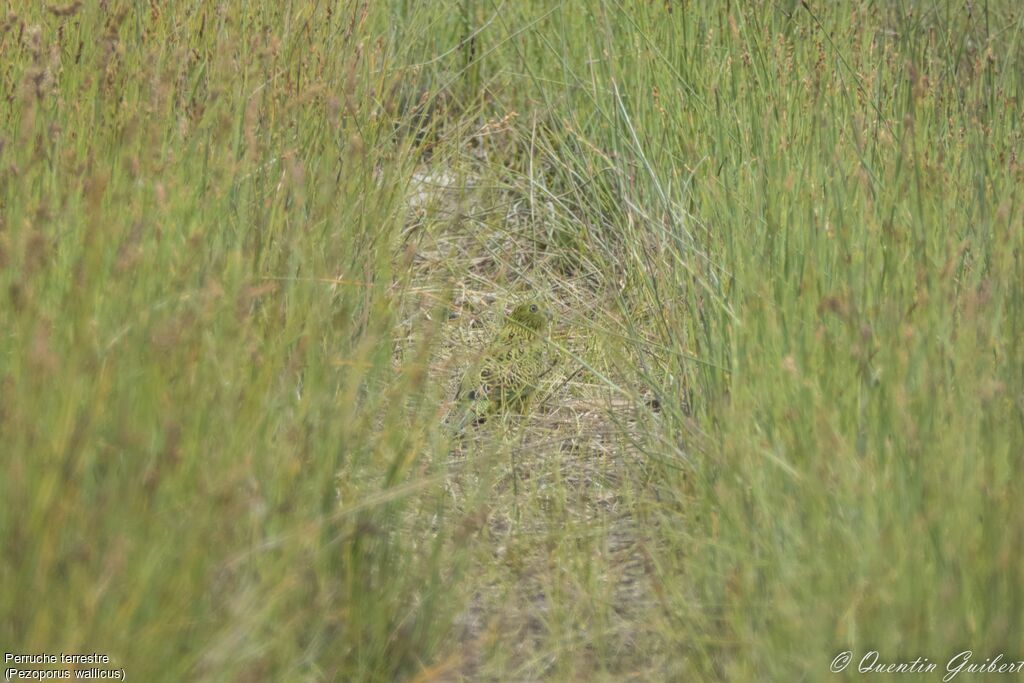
506,375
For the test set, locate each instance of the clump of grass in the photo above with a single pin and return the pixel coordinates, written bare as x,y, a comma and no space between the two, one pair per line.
213,457
817,283
798,230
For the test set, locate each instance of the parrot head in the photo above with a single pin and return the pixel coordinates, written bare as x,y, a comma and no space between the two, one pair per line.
531,315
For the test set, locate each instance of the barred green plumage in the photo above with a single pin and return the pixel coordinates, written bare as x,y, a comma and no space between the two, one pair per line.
507,373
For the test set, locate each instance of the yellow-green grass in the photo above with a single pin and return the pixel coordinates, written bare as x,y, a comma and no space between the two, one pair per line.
247,249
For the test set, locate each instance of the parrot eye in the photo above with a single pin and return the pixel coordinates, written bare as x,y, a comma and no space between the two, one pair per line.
533,308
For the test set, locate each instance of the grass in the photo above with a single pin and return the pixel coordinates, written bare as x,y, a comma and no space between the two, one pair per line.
247,248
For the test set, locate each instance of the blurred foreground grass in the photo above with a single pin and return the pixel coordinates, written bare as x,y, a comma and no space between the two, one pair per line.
245,249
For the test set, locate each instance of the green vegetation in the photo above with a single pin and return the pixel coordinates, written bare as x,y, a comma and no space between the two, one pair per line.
248,248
